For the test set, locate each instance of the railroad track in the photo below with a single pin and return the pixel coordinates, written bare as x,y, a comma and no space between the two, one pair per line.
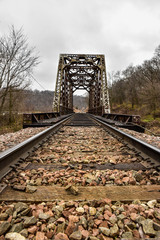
86,180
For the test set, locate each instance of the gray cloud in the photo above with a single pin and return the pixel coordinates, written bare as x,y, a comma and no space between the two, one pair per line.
126,31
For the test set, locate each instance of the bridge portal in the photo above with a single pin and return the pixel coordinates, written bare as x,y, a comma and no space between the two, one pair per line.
81,71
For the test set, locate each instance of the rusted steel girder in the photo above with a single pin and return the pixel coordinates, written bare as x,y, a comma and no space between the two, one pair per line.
81,71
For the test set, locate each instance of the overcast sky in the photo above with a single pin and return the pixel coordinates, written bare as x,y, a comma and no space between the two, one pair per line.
126,31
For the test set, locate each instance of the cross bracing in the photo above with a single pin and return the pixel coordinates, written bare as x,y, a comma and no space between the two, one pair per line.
81,71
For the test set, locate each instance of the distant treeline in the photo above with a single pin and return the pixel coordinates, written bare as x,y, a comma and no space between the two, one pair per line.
43,101
38,101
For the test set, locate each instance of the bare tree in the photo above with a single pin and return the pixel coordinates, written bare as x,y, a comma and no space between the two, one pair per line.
139,86
17,61
151,81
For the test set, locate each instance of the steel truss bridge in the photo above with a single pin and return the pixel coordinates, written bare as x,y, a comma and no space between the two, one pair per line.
81,71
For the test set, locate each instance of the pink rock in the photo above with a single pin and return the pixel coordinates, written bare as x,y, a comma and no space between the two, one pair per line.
38,212
108,213
40,236
107,201
85,233
10,218
132,208
43,226
49,235
125,179
73,218
136,234
150,213
98,221
95,232
70,228
32,229
86,208
132,181
103,180
80,228
118,182
106,217
40,206
50,213
66,213
61,236
93,183
100,217
141,208
133,216
126,221
2,237
104,224
31,236
32,206
143,182
83,182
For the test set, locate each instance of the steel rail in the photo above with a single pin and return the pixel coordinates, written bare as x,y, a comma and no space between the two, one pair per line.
13,157
150,153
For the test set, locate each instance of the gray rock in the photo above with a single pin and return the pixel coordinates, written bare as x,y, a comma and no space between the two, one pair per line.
14,214
30,189
157,214
29,221
136,201
4,226
25,212
131,225
9,211
3,216
38,182
71,189
127,235
121,209
80,209
158,235
17,227
140,219
120,224
114,231
14,236
113,219
83,222
148,227
105,231
24,233
156,226
57,208
76,236
138,177
90,223
51,220
92,211
112,177
33,171
121,216
152,203
61,227
44,216
20,206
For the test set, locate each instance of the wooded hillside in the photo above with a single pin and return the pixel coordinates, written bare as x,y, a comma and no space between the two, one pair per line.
137,88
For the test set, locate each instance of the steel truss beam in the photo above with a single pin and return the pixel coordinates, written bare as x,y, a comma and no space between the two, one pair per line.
81,71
